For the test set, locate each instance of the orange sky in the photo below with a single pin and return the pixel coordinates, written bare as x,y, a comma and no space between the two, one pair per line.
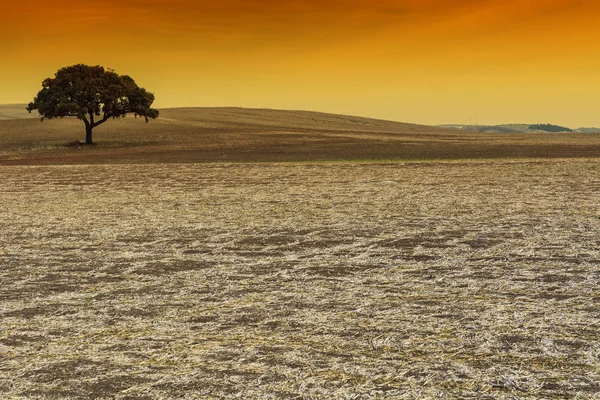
427,61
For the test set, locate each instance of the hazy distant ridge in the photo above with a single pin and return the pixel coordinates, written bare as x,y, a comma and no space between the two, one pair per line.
15,111
519,128
300,118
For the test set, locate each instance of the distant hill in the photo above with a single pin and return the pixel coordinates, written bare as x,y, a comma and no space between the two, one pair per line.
514,128
508,128
15,111
587,130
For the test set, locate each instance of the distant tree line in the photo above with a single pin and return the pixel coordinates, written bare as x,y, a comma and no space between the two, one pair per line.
549,128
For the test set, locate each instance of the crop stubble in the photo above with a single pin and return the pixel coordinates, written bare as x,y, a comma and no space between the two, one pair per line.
470,280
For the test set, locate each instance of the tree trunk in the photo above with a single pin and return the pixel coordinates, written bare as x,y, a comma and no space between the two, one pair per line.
88,135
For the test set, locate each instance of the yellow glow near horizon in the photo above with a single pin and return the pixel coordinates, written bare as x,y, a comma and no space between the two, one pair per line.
428,62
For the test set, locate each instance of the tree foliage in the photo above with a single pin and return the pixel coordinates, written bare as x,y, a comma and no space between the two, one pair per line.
92,94
549,128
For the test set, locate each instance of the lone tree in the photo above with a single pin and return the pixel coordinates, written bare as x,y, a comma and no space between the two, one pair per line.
93,95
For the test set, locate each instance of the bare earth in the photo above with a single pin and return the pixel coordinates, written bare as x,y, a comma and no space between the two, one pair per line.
264,254
340,280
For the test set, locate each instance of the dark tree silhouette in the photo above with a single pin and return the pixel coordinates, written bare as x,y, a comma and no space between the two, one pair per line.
549,128
93,95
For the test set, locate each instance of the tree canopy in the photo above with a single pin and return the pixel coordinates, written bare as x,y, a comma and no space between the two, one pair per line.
92,94
549,128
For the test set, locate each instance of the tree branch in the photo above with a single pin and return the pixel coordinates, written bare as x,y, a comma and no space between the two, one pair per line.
103,120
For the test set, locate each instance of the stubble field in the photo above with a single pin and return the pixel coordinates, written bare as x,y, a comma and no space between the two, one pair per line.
471,279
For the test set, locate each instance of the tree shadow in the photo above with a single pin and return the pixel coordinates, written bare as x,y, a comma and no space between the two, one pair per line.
78,144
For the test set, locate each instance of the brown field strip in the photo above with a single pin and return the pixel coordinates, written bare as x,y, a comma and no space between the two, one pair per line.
337,280
205,135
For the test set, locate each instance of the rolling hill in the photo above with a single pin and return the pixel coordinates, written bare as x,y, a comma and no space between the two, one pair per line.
264,135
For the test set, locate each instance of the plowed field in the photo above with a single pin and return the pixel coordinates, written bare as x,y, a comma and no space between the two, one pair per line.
322,280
